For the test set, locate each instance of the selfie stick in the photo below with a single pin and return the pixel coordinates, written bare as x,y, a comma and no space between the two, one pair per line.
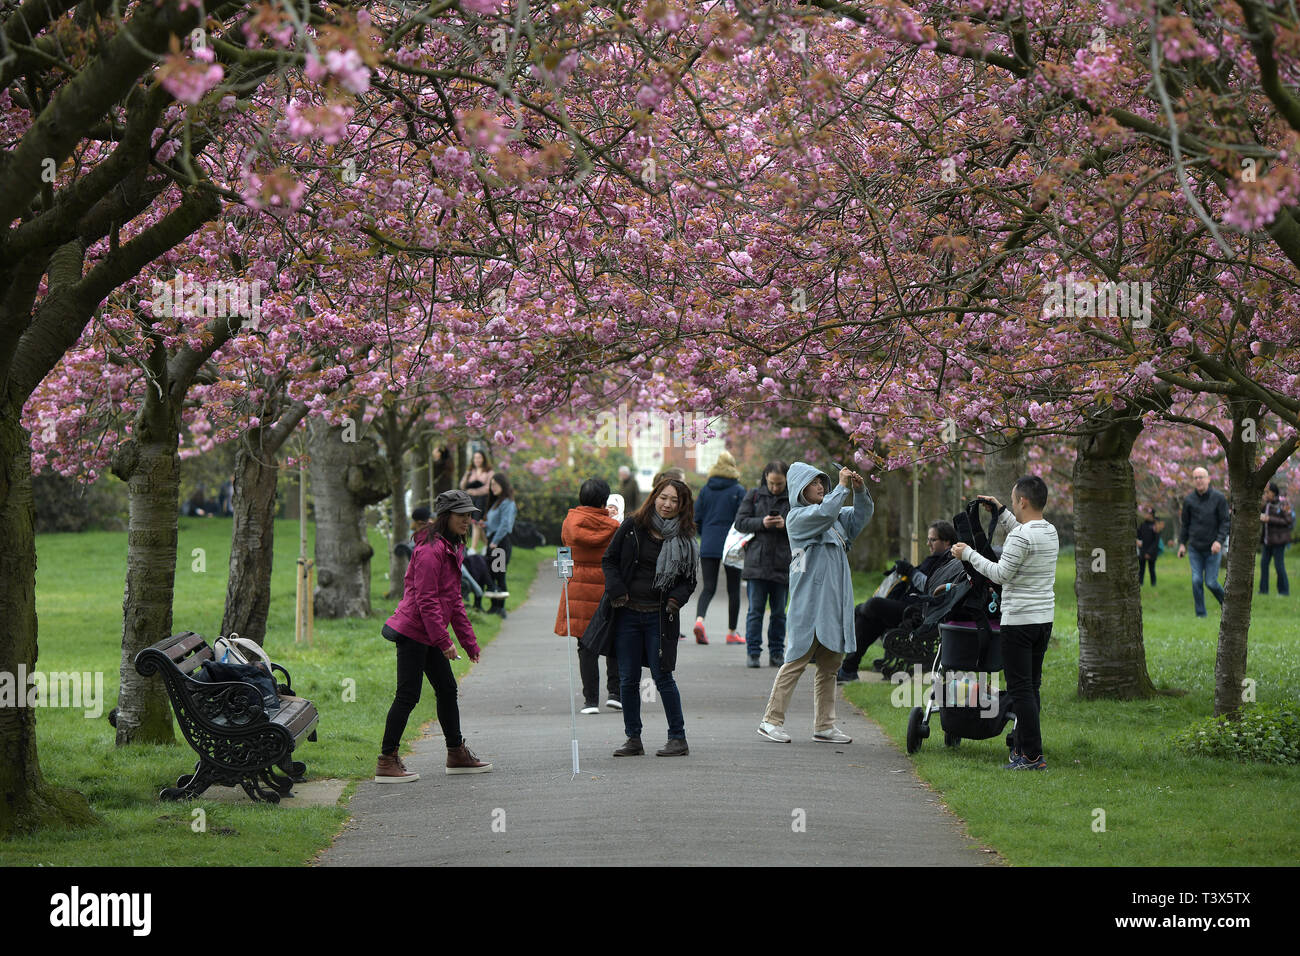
564,568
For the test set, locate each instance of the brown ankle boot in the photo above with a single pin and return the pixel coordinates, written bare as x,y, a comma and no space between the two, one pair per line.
462,760
390,769
632,748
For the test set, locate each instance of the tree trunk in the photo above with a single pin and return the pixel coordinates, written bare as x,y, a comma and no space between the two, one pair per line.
1245,488
252,540
1112,656
401,526
27,802
1004,465
421,479
150,465
345,477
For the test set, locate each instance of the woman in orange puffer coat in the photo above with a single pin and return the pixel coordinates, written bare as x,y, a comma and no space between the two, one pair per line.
587,530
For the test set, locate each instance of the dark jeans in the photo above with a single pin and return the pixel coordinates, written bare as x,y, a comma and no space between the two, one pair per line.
773,594
637,633
1205,574
589,667
877,617
499,556
1023,648
710,568
1143,564
1274,553
414,662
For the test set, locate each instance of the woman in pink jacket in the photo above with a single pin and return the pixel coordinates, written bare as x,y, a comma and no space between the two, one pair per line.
430,602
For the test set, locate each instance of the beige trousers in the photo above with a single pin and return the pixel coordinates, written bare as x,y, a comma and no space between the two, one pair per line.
827,663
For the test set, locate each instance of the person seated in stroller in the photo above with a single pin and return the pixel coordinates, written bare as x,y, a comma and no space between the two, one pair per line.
874,617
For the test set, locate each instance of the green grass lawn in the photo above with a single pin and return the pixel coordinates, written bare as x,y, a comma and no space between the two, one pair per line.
79,586
1161,807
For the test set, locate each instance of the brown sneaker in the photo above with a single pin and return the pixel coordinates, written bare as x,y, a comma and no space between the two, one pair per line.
632,748
390,769
462,760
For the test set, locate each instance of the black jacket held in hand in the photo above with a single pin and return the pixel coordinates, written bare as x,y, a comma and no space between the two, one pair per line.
767,555
619,564
1205,520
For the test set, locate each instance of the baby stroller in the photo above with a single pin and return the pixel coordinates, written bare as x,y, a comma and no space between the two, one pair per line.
969,655
916,638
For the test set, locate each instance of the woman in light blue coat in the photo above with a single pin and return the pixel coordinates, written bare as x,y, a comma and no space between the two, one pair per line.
821,524
500,522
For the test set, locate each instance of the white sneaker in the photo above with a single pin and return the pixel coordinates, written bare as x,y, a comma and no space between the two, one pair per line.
590,710
614,704
832,736
773,732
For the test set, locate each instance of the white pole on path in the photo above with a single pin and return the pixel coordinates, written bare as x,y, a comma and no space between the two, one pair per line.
564,568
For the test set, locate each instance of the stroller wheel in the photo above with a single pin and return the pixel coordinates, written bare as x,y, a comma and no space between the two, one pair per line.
951,740
916,731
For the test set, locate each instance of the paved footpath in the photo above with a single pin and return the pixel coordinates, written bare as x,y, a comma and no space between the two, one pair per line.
737,800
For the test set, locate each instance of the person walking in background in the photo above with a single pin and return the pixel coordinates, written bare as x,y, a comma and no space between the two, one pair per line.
821,524
477,481
1205,523
1148,544
628,488
649,574
767,563
430,602
588,529
1026,570
500,522
715,511
1277,520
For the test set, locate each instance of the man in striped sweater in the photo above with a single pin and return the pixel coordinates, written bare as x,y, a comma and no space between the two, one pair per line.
1027,572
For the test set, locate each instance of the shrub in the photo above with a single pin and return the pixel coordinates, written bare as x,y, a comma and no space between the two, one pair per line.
1262,735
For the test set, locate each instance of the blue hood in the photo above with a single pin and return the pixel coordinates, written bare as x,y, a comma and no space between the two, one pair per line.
799,477
717,483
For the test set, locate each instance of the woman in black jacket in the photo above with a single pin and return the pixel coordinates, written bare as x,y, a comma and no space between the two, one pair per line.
649,574
767,562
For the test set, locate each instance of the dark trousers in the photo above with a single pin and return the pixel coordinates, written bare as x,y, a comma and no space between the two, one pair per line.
773,594
1023,648
416,661
499,558
1274,553
589,667
878,616
710,584
637,634
1143,564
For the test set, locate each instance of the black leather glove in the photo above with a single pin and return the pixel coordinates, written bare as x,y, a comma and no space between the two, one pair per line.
673,606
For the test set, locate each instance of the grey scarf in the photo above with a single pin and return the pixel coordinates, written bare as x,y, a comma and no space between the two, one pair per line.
678,555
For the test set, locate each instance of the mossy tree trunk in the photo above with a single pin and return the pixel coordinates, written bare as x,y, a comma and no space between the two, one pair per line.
1112,655
252,537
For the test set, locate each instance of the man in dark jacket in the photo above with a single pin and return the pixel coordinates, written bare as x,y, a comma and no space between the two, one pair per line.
875,616
1205,524
1276,519
629,489
767,562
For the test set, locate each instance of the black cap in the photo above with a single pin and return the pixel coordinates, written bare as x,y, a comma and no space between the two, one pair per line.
455,501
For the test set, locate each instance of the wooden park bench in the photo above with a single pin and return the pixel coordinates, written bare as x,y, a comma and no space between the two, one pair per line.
237,741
